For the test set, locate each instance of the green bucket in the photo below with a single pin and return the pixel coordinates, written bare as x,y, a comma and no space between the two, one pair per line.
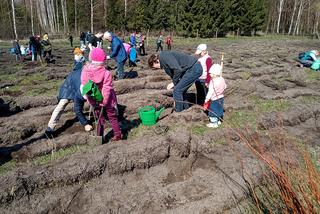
148,115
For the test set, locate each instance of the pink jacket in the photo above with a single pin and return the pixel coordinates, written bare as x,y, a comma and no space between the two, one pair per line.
127,47
103,79
206,63
217,86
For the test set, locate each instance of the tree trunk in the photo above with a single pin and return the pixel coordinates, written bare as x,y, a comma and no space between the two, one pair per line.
296,28
14,19
50,15
316,25
105,13
31,12
64,16
280,9
57,16
308,16
292,17
91,6
125,8
75,16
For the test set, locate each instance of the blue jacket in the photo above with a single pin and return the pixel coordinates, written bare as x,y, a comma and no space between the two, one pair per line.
133,40
70,89
118,50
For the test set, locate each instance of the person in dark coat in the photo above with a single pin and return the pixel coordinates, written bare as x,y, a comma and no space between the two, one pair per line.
118,52
183,69
17,50
70,91
71,39
82,39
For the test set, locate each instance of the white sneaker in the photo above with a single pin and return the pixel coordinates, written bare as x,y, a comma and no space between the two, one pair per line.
212,125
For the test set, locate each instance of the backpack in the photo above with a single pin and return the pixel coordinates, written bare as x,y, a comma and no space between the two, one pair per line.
92,90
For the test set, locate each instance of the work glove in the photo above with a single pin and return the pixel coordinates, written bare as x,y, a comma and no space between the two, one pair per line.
88,128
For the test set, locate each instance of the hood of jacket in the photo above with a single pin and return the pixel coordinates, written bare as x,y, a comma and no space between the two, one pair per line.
95,72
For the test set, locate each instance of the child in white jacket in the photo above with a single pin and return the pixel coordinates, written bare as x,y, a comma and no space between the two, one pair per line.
215,96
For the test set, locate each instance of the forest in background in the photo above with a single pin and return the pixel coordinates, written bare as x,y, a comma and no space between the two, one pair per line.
190,18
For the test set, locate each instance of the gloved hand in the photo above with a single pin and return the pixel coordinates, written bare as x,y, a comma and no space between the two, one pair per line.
206,105
88,128
108,57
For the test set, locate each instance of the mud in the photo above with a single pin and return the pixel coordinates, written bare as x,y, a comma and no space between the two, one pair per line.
179,166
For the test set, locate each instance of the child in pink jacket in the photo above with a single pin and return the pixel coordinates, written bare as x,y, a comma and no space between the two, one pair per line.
95,71
215,96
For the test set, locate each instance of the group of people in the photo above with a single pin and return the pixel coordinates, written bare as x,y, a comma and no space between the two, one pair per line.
185,70
34,48
160,40
91,82
86,79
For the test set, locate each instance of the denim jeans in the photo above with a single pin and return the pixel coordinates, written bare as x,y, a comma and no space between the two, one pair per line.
216,108
186,81
120,70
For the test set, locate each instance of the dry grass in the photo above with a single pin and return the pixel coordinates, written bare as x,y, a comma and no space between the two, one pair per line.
290,182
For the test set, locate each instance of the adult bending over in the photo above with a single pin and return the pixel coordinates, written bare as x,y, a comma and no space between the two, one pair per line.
118,52
183,69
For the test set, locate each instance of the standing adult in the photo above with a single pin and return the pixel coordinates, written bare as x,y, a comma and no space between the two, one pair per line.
88,36
183,69
118,52
94,42
17,50
159,42
46,47
71,39
141,48
82,39
133,41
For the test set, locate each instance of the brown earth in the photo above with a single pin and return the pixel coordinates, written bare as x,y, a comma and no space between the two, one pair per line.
178,166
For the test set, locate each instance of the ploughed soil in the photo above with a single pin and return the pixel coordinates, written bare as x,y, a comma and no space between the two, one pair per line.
177,166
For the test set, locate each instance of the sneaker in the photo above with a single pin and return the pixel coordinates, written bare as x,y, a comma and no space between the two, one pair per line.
212,125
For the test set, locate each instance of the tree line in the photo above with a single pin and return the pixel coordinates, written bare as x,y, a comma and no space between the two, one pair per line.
203,18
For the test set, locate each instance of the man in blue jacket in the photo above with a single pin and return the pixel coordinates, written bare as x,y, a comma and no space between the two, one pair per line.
70,91
118,52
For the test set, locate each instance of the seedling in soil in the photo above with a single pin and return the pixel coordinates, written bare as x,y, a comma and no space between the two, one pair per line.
245,75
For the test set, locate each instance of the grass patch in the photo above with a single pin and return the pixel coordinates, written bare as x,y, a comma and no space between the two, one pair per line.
218,142
8,166
237,119
309,99
266,106
45,159
245,75
198,130
312,76
140,131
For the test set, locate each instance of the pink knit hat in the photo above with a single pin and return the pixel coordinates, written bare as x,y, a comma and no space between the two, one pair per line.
98,55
